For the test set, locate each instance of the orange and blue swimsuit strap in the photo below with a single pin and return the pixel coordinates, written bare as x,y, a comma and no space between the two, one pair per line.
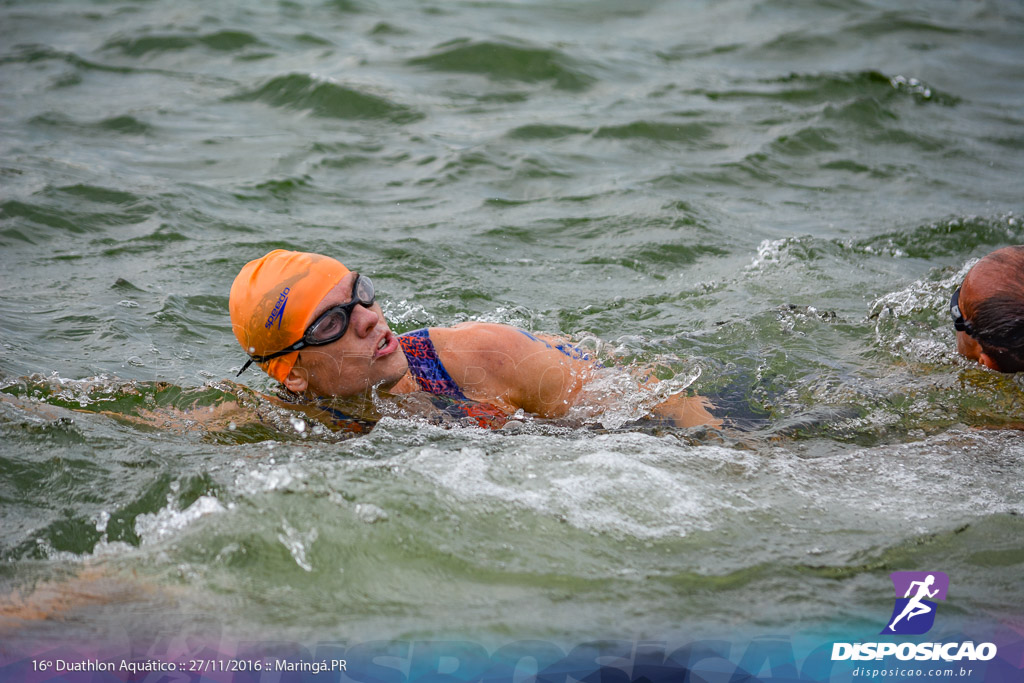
570,350
426,367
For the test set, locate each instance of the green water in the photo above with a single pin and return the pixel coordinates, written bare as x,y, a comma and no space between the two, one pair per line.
773,198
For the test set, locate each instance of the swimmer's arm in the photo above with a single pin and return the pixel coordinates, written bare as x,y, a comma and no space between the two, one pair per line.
562,375
549,374
226,416
542,375
681,409
215,417
513,369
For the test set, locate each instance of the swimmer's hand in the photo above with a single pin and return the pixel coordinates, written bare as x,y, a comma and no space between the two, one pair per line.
687,411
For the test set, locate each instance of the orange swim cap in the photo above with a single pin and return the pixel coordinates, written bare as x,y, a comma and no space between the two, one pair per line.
272,303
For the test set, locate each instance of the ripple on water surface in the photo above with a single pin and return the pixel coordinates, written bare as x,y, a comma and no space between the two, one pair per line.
506,61
328,99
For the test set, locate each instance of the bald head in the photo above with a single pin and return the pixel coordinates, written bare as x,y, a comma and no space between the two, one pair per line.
991,302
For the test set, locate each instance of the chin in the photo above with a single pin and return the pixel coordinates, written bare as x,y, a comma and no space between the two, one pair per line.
392,378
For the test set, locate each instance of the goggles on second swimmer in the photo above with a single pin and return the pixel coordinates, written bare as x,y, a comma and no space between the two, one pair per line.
330,326
959,324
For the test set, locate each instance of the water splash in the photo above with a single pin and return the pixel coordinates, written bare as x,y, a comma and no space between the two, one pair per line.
298,543
908,320
169,522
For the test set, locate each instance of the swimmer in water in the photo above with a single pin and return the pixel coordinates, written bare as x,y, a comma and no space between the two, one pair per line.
988,311
317,328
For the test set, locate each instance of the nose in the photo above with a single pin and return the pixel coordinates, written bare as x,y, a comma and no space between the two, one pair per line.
363,320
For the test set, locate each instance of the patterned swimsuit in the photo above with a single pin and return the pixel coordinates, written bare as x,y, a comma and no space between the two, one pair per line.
426,367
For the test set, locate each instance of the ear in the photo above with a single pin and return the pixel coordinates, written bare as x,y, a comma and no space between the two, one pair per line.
988,362
296,381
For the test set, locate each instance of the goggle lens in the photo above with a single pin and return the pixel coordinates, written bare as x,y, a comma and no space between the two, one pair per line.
333,324
363,291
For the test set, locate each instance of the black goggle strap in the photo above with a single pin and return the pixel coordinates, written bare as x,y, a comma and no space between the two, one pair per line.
262,359
959,324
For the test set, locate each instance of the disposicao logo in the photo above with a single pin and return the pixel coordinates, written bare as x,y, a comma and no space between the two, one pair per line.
913,614
278,313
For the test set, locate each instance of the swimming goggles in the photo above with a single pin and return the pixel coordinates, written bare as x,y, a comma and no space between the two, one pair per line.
330,326
959,324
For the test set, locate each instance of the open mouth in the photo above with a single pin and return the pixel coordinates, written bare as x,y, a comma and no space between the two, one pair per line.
386,346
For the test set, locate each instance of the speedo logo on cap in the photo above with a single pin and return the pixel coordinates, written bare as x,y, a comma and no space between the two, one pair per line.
278,313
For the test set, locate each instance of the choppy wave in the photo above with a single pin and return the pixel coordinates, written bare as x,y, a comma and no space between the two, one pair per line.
950,236
694,134
225,40
507,61
328,99
126,124
76,209
809,89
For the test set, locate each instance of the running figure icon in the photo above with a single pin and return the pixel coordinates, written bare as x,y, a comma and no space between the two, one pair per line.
915,606
916,594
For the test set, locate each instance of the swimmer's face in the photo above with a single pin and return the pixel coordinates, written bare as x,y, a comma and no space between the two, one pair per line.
367,355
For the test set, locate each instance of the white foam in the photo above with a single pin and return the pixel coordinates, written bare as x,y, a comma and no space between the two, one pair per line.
403,311
622,484
268,478
169,521
770,252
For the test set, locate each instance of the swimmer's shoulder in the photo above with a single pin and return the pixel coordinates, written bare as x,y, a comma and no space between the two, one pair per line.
474,337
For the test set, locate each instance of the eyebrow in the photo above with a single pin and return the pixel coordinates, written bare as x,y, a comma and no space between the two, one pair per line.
320,311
